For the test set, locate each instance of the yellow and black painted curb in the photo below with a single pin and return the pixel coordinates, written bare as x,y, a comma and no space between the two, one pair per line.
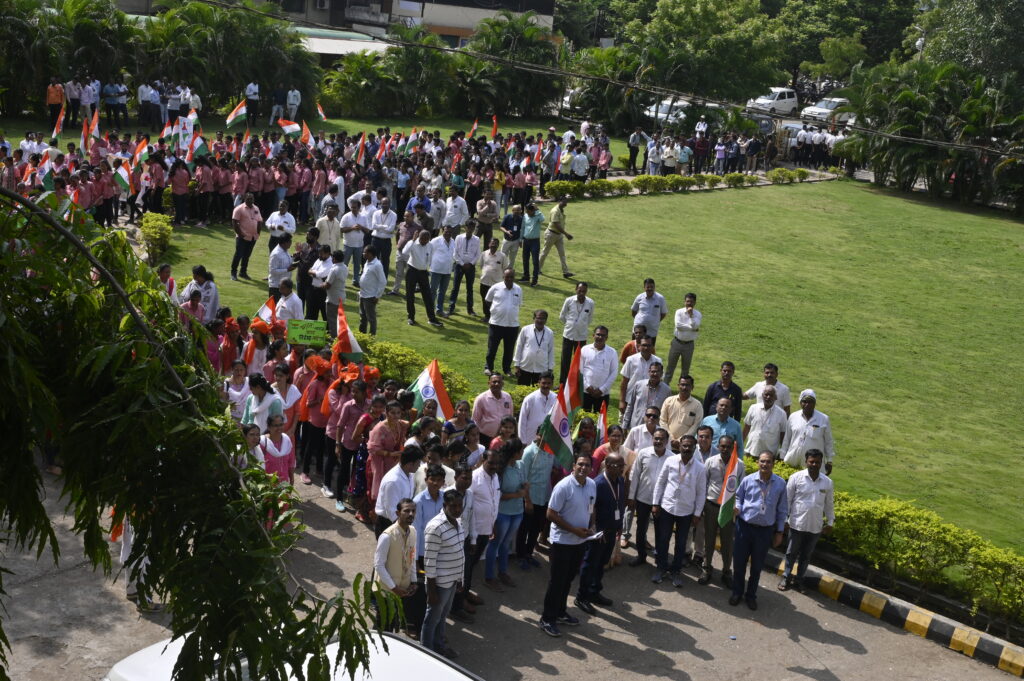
899,613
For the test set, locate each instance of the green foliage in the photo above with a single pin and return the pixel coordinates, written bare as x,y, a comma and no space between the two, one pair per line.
455,383
998,580
618,109
402,363
734,179
107,375
564,187
686,182
701,179
599,187
838,57
674,182
623,162
622,187
713,181
801,174
644,183
780,176
751,180
518,393
156,234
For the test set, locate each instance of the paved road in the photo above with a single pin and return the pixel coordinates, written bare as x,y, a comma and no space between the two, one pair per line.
70,623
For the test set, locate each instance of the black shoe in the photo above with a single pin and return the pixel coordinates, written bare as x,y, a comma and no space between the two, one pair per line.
734,600
434,322
234,277
523,279
639,560
798,584
601,600
568,275
752,603
585,606
568,620
705,577
727,577
245,275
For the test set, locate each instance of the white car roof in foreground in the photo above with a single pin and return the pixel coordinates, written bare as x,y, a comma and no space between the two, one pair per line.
402,661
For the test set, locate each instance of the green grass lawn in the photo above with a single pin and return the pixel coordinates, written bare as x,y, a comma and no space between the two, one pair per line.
899,312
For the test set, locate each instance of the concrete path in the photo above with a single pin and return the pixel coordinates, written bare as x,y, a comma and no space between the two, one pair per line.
70,623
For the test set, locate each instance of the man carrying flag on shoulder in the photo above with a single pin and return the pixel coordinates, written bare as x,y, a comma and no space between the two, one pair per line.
724,470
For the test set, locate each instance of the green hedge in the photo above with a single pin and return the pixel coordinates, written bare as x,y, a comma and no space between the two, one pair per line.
156,235
404,364
655,184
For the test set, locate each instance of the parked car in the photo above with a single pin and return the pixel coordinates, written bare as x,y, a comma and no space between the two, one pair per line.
825,110
781,100
667,111
402,661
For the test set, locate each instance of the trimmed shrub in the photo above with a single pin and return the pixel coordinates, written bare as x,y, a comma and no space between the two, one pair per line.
751,180
685,182
622,187
734,179
455,383
659,184
675,183
564,187
623,162
777,176
713,181
518,393
701,179
644,183
156,234
599,187
404,364
802,174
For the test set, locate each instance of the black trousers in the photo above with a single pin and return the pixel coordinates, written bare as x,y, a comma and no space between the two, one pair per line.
596,556
593,403
565,565
505,335
484,288
316,303
414,277
461,274
529,530
633,151
527,378
568,350
313,448
642,516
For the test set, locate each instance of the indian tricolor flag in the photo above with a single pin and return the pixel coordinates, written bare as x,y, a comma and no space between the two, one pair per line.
141,153
430,385
289,127
556,431
727,497
85,141
414,143
361,154
306,134
346,347
94,127
237,115
123,177
494,126
268,311
472,131
573,386
320,111
46,171
166,132
60,122
243,147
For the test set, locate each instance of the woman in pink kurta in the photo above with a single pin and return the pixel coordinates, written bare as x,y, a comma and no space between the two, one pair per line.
289,398
278,450
385,446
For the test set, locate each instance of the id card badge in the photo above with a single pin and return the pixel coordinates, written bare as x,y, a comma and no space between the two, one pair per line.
616,514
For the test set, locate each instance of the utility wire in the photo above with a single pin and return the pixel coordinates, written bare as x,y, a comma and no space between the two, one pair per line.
629,85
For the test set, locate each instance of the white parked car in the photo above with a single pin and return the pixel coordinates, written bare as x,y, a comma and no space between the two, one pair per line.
403,660
667,111
825,110
781,100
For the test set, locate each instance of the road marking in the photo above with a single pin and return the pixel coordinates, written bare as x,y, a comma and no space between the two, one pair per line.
830,587
1012,661
965,640
873,604
917,622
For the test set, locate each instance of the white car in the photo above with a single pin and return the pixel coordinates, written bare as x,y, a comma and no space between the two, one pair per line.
668,111
825,110
402,661
781,100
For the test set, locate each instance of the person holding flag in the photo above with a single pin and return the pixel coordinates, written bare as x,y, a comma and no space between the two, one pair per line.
724,471
55,104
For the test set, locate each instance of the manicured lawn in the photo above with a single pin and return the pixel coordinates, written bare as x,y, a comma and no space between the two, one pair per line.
902,315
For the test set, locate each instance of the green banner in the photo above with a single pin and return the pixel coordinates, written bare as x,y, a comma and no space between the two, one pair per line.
307,332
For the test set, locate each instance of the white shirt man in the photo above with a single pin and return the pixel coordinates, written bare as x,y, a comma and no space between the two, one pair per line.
681,487
455,211
280,223
641,436
637,367
335,281
652,392
492,265
330,230
505,303
808,429
417,254
280,264
687,323
383,224
396,485
373,281
293,99
289,306
764,426
649,308
535,348
442,254
252,91
353,238
577,315
771,372
536,406
486,492
467,250
810,501
598,365
644,476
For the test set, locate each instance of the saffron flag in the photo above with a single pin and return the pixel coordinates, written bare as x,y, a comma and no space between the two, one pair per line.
306,135
320,110
727,497
60,122
602,425
536,159
289,127
94,127
382,149
494,126
472,131
268,311
166,132
430,385
360,156
572,389
407,145
141,153
84,141
237,115
346,347
455,160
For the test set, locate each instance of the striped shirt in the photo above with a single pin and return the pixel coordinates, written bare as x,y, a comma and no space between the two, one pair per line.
443,558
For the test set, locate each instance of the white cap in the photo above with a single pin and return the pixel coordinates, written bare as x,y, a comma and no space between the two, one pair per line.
808,394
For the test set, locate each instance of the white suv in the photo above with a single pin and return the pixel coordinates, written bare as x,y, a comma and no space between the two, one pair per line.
781,100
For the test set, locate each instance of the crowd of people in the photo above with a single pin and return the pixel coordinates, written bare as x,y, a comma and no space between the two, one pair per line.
444,492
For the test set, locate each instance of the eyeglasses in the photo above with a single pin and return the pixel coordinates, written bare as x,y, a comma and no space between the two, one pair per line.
650,416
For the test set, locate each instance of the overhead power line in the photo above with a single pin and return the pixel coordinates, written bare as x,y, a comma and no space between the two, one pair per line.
663,92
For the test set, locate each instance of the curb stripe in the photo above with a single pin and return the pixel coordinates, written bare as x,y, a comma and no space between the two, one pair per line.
1012,661
964,641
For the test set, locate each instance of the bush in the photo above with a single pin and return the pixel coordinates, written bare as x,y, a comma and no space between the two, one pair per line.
623,162
455,383
674,182
701,179
751,180
622,187
404,364
659,184
685,182
734,179
778,176
644,183
802,174
563,188
156,234
597,188
999,579
519,393
713,181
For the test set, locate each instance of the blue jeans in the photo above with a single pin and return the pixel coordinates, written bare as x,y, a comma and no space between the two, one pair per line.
356,254
439,289
531,252
279,193
751,542
432,632
505,528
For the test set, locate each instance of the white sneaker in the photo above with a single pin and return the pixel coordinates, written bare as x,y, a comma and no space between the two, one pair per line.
326,491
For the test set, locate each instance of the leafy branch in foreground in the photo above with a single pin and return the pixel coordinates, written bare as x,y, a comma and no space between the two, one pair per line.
106,374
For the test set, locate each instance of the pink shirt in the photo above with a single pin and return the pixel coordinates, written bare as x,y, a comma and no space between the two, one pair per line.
319,183
179,181
306,181
268,180
158,175
248,218
349,417
255,176
204,178
336,401
240,182
488,411
314,397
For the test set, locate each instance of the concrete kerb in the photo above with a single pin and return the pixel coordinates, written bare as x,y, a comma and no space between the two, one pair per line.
909,617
